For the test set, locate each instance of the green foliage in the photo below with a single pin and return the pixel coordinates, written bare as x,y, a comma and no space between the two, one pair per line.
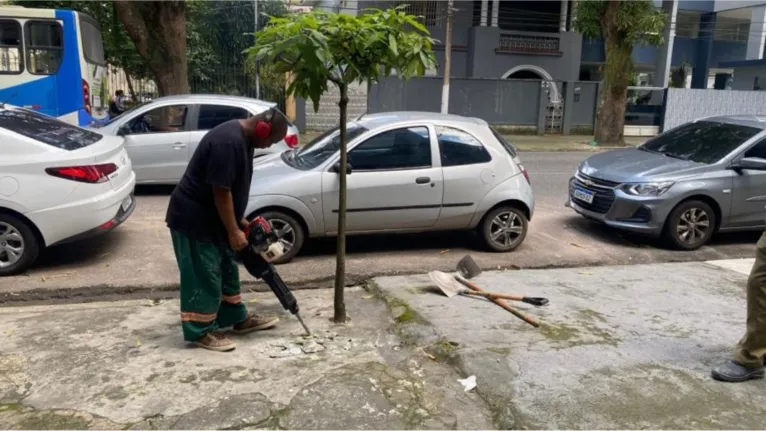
217,33
637,22
320,48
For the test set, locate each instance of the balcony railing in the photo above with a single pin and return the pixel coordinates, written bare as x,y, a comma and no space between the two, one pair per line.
529,43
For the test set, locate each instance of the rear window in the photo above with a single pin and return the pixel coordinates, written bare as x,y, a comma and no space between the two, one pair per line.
507,145
702,141
92,42
48,130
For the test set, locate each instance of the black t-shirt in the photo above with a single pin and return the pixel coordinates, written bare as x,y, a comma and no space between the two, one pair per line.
223,158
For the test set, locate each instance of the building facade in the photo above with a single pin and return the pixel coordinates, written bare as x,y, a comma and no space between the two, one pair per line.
521,39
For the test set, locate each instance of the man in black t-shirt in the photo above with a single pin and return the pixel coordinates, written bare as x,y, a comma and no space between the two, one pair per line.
206,218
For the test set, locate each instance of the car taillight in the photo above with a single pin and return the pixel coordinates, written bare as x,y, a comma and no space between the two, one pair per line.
291,141
86,96
524,171
86,174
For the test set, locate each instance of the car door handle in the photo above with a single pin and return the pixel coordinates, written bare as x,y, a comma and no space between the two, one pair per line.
423,180
179,145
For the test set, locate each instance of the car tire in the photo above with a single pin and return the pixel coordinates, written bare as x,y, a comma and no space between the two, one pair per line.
30,246
512,238
682,220
296,235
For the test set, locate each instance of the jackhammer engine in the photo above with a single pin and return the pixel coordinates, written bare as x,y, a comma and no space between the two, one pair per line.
264,247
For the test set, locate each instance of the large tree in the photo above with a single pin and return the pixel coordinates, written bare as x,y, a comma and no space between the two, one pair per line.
158,30
321,49
623,25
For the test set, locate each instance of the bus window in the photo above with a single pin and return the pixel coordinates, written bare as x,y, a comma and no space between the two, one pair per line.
10,47
45,47
92,43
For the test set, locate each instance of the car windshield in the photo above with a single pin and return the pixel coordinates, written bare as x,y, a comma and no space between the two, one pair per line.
113,119
701,141
323,147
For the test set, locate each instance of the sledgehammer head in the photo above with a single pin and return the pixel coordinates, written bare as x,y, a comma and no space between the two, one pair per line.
467,267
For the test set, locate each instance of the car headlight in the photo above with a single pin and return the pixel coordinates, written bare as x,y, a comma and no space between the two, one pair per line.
647,189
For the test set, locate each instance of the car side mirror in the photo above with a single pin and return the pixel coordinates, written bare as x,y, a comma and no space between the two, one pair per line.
751,163
124,130
336,168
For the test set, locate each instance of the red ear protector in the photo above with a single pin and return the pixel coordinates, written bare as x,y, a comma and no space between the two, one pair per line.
263,128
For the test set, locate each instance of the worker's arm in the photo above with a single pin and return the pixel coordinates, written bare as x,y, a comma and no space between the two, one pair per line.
225,206
221,176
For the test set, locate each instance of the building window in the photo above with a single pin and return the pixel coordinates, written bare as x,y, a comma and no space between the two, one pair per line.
732,29
688,24
45,47
432,13
10,47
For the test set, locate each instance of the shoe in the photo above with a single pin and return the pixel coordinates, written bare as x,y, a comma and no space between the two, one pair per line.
217,342
733,371
255,322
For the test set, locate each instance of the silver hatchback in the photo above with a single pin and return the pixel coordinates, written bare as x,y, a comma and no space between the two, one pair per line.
684,184
161,135
408,172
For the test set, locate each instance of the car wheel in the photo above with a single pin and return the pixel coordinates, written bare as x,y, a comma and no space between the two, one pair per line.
291,232
503,229
690,225
19,247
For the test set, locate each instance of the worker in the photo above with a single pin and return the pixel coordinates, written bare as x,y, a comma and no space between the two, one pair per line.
206,221
747,362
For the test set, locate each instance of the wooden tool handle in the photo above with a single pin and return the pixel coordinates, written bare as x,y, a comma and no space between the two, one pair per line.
494,295
507,307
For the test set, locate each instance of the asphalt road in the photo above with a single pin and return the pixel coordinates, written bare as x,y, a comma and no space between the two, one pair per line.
138,255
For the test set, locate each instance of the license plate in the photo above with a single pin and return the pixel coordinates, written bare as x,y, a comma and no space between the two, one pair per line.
583,195
126,203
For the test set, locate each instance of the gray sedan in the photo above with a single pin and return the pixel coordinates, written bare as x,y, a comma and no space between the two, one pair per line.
161,135
685,184
408,172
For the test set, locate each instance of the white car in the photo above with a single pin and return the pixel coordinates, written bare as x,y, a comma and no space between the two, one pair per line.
58,183
161,135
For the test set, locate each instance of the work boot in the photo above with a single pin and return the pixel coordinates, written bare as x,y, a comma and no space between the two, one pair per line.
255,322
733,371
216,341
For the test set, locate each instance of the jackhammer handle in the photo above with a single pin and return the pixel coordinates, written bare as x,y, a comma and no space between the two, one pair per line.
520,315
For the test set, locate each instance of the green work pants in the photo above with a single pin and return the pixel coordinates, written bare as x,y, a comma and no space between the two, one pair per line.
752,347
210,287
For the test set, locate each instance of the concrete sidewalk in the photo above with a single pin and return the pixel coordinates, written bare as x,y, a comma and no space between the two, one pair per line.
124,365
619,348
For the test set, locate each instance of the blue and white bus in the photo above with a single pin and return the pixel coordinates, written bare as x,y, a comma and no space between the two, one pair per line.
51,61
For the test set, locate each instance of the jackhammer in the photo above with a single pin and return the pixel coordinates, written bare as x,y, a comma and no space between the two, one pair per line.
264,247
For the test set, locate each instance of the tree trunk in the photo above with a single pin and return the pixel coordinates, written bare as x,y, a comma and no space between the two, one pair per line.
133,95
610,123
340,259
158,29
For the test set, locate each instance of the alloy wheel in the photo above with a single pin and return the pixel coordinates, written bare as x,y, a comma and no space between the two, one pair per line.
693,226
285,232
505,229
11,245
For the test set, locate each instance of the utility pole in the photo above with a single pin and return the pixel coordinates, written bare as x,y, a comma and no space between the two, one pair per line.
447,58
257,66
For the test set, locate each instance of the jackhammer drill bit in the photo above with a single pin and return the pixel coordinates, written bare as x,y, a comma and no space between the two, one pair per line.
300,319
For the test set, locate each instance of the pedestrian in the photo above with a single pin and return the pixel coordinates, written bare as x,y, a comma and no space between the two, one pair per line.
117,104
206,221
747,362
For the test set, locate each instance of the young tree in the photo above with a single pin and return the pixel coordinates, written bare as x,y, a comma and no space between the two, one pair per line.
158,30
623,24
322,49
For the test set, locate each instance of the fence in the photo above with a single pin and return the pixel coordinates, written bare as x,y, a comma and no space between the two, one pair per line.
520,105
682,105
